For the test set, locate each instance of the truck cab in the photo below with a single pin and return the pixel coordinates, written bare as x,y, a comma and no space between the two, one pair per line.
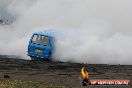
41,45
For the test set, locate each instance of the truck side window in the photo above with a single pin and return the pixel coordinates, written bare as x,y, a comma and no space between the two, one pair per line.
34,38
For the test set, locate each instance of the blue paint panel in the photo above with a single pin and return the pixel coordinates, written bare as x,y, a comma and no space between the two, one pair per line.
40,50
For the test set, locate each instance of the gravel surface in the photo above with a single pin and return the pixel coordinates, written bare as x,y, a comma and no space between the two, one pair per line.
61,73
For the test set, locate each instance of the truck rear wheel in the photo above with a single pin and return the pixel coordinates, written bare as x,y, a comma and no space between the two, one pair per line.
39,59
33,58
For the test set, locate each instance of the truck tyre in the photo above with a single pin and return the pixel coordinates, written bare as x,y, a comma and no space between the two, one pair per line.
33,58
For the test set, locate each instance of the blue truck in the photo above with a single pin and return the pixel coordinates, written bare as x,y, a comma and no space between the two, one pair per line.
41,45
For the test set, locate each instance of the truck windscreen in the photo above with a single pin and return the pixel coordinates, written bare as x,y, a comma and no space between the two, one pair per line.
40,39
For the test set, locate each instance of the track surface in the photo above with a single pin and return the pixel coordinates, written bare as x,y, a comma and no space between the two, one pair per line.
60,73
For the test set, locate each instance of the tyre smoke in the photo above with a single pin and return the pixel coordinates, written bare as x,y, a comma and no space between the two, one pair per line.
92,31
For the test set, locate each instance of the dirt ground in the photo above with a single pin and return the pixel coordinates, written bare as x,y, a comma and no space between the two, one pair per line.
61,74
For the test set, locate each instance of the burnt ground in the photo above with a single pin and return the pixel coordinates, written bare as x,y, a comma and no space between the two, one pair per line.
61,73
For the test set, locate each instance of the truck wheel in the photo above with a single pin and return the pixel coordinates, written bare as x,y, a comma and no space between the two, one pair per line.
33,58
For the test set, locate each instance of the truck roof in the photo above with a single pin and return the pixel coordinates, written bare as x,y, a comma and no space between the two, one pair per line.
45,33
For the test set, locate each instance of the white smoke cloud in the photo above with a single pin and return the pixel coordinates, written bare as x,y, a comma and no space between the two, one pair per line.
94,31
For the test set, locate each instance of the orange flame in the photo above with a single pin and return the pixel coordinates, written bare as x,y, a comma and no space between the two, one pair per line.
84,73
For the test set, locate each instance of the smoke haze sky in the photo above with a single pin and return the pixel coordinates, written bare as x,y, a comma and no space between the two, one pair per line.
94,31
